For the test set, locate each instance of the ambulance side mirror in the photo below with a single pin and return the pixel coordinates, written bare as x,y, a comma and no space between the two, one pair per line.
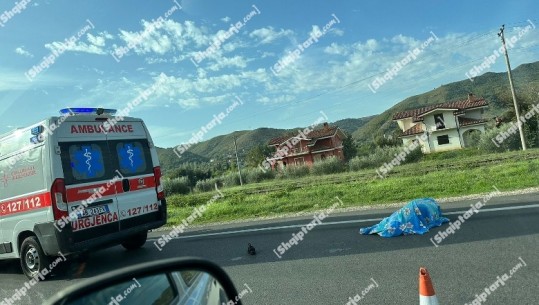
171,281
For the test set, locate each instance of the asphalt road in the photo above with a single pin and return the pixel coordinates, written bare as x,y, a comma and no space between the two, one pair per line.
334,262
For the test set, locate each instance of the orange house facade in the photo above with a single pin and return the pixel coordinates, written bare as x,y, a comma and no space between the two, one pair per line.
306,149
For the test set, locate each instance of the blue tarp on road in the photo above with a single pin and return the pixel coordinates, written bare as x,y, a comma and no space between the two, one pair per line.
416,217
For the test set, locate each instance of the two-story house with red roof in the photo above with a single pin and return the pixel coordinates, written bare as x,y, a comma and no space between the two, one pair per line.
306,149
445,126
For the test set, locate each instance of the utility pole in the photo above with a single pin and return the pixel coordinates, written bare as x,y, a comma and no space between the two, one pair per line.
517,113
237,159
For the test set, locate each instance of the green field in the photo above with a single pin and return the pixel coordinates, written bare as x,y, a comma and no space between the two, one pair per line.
436,176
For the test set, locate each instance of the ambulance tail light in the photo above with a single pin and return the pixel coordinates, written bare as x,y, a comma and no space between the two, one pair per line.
158,183
59,199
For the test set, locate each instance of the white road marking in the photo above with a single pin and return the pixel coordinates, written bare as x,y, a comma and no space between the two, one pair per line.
329,223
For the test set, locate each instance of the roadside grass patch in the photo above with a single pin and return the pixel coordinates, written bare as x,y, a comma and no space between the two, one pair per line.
431,178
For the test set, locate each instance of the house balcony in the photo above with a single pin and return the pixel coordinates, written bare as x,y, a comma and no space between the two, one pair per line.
432,129
297,152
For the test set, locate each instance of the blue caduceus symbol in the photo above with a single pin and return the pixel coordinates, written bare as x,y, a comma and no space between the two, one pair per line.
86,161
131,157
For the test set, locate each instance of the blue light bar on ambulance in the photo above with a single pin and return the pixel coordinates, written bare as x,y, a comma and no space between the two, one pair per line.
89,110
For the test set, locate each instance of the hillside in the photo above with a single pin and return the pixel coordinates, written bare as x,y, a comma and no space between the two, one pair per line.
351,125
494,87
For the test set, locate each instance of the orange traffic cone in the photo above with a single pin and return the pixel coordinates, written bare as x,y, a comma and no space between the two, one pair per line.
426,290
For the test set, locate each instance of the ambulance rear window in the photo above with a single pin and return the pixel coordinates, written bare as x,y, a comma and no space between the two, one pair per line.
134,156
84,161
91,161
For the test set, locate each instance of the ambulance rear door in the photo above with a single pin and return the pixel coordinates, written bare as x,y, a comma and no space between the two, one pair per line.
129,144
90,177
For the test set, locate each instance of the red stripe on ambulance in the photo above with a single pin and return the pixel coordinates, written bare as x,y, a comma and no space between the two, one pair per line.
96,190
25,204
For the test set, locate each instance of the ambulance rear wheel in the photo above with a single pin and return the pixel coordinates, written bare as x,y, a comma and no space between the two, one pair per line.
33,259
136,241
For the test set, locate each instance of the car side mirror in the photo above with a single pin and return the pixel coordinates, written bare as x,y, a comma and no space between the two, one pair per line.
171,281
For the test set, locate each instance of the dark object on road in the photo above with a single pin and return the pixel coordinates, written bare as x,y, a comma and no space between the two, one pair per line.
251,250
416,217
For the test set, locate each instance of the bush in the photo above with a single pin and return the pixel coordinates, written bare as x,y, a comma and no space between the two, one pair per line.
207,185
232,179
486,142
376,158
384,155
328,166
179,185
358,163
414,156
255,175
293,171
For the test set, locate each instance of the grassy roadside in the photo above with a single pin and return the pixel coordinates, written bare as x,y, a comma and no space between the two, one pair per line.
432,178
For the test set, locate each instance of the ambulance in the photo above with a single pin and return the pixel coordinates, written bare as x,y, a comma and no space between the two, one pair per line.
77,182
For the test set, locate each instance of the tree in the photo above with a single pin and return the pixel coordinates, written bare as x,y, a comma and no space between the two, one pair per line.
349,147
257,155
383,140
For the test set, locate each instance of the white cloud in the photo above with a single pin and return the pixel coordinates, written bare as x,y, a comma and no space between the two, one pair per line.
276,99
100,39
336,49
315,30
401,39
171,36
186,91
76,47
226,19
337,32
269,34
94,44
236,61
21,51
267,54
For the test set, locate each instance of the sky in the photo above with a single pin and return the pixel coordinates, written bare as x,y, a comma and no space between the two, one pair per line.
252,64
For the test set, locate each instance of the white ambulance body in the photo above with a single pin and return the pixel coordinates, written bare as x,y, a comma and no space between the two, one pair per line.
75,183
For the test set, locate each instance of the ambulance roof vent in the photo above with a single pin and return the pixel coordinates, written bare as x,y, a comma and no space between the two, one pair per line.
86,111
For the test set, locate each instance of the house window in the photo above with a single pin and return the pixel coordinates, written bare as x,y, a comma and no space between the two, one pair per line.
443,140
298,148
439,121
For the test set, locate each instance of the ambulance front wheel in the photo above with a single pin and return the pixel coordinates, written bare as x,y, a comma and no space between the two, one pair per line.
136,241
34,262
